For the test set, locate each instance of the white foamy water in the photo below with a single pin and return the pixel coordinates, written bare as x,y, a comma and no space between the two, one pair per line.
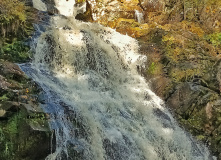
139,16
38,4
65,7
100,107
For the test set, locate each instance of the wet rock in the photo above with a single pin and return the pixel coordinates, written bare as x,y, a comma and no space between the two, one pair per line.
19,135
75,150
3,83
51,7
10,106
86,13
198,108
2,113
188,96
11,71
10,68
24,127
29,3
164,118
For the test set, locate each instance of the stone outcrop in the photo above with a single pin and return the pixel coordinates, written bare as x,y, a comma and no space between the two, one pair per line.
198,109
24,130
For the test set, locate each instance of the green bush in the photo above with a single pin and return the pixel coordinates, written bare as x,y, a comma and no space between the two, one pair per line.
12,16
15,51
15,26
214,39
11,10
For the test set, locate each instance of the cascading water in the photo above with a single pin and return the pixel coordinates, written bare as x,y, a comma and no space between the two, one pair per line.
139,16
99,106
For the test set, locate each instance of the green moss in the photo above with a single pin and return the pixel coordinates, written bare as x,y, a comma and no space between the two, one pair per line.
19,141
200,137
38,120
4,98
8,139
183,75
215,39
152,68
155,68
14,122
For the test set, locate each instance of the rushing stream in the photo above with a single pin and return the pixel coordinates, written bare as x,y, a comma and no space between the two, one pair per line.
100,107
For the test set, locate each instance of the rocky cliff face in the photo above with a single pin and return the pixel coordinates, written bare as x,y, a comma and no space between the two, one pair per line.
182,42
24,132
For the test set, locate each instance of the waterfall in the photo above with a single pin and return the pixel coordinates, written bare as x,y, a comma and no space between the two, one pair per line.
100,107
139,16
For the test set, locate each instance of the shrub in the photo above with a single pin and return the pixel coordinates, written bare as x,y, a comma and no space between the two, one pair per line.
12,16
214,38
16,51
15,25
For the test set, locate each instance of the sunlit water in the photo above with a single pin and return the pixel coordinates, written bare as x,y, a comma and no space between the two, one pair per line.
139,16
99,106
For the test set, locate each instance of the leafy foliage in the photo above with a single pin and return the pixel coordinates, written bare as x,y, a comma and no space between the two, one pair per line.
15,25
12,10
15,51
12,17
215,39
3,98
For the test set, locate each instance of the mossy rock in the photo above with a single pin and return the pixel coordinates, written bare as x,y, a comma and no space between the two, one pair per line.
24,130
19,140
